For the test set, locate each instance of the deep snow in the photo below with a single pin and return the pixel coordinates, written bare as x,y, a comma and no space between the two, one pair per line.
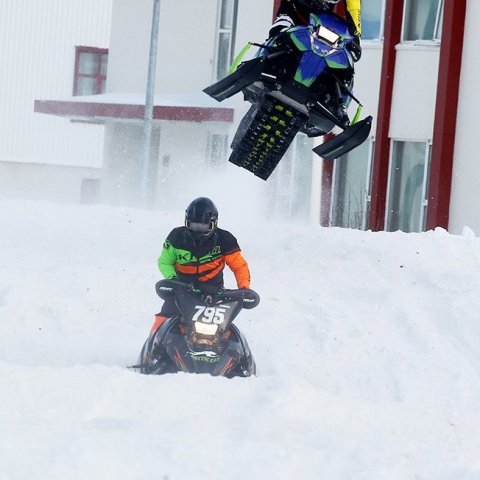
367,348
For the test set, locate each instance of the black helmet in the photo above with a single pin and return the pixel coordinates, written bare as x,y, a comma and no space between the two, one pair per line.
201,218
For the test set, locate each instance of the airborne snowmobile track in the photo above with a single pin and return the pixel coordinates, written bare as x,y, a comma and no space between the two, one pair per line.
267,138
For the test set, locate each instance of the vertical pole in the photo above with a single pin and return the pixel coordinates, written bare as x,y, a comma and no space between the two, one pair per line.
149,99
326,187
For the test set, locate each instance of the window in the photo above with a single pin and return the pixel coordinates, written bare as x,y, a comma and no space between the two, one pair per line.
373,13
423,20
407,188
227,20
351,188
90,70
218,147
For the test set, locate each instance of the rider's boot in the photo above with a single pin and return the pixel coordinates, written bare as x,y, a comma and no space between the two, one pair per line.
159,319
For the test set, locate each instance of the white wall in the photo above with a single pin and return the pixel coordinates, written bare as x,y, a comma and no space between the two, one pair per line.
367,80
185,45
254,21
414,92
37,54
186,52
44,182
465,198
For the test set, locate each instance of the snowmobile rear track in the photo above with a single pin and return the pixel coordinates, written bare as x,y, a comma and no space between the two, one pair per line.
267,138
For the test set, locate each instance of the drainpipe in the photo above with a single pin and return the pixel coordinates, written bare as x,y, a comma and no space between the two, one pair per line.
147,181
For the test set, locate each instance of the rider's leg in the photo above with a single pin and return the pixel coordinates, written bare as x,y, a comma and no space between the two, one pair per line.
169,309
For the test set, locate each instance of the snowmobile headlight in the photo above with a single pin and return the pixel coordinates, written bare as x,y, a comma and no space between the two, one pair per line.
327,35
206,328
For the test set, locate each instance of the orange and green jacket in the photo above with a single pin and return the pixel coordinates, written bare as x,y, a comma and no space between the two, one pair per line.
181,258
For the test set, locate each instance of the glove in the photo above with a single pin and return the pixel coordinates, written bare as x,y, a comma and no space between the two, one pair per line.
355,48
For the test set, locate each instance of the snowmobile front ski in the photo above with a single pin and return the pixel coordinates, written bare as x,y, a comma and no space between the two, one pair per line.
245,74
346,141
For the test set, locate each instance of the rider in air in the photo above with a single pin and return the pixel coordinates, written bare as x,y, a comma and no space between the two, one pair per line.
297,12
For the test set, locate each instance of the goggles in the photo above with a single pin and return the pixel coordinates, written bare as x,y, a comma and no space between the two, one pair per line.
199,227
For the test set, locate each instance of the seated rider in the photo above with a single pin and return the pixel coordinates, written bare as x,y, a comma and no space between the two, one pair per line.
297,12
197,253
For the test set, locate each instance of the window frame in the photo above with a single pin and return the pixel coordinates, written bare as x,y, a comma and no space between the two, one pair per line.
367,192
438,22
98,76
425,182
436,38
217,75
381,30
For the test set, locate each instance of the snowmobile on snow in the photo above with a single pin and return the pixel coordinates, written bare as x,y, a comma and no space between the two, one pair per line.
295,83
202,339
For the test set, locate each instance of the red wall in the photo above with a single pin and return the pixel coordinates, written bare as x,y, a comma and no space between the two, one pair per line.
443,143
392,33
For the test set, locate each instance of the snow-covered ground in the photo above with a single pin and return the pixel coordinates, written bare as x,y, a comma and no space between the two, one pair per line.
367,348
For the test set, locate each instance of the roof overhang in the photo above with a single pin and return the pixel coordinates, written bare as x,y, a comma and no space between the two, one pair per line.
174,107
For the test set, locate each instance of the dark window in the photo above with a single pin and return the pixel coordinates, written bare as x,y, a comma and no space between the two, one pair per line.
423,20
90,70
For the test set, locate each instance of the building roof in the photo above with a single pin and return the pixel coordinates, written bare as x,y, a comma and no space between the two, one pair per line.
194,107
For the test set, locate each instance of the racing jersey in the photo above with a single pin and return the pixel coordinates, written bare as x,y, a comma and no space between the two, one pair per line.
182,258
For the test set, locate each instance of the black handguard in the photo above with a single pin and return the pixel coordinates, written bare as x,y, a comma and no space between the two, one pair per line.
165,287
355,48
250,298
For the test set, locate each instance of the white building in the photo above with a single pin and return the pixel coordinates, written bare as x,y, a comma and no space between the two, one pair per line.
417,77
44,156
196,44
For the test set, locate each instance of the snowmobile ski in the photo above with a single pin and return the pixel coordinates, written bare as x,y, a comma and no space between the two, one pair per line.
245,74
346,141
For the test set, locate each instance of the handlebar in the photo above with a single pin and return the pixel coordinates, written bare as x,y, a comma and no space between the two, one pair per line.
250,299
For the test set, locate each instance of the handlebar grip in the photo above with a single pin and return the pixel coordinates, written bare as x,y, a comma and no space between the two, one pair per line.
250,298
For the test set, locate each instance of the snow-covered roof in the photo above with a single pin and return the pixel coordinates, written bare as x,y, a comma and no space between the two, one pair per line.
193,107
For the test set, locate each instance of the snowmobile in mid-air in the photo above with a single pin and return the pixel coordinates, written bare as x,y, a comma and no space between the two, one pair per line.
295,83
202,338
